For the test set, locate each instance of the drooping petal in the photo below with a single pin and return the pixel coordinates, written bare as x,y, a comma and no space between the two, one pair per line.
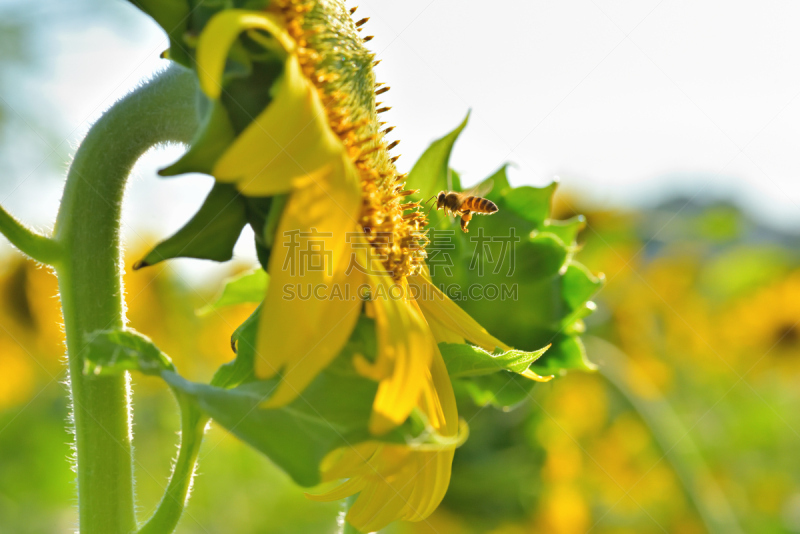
349,462
397,481
304,324
441,333
404,345
342,491
218,36
291,138
448,320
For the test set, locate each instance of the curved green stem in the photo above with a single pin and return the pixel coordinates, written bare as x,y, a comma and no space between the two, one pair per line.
89,277
38,247
169,511
695,476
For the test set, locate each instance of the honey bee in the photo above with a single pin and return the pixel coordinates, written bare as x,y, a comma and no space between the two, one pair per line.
467,203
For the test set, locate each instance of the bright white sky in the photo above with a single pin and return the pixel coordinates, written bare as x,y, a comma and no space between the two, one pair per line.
626,101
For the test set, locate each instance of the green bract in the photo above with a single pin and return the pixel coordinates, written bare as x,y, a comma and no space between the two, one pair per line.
519,248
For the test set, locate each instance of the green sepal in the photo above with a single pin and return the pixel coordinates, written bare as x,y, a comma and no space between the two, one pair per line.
567,353
210,235
455,180
530,203
212,139
579,285
242,368
173,17
431,173
263,216
503,390
111,352
464,360
500,184
550,291
567,230
540,256
248,287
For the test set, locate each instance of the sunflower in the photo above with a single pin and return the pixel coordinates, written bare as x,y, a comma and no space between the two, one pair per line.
318,145
766,322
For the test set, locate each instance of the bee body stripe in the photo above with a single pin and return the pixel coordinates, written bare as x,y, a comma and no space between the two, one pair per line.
481,205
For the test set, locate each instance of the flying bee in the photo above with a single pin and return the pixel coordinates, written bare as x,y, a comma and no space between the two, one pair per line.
467,203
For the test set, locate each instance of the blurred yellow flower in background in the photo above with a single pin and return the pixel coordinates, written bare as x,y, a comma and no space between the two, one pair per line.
17,382
764,327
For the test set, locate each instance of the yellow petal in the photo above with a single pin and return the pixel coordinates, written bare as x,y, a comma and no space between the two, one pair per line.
354,485
349,461
443,389
441,333
303,325
396,481
379,504
405,344
218,37
527,373
447,315
290,139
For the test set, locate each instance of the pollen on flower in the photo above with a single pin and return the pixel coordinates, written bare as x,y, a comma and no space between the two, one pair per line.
341,70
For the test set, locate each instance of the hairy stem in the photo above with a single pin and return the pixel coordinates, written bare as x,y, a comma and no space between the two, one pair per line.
89,277
38,247
169,511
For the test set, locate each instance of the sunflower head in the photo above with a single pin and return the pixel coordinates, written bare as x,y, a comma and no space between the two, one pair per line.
305,62
341,68
292,135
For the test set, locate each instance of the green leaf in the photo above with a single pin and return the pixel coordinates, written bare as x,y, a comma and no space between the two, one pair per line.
249,287
172,16
579,285
567,230
263,215
530,203
455,181
501,186
242,368
502,390
431,172
464,360
566,354
211,140
211,234
114,351
539,257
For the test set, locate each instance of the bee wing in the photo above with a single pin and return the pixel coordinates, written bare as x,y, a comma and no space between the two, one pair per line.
480,190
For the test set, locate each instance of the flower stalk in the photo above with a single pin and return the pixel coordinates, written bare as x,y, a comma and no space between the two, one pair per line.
89,278
169,511
40,248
